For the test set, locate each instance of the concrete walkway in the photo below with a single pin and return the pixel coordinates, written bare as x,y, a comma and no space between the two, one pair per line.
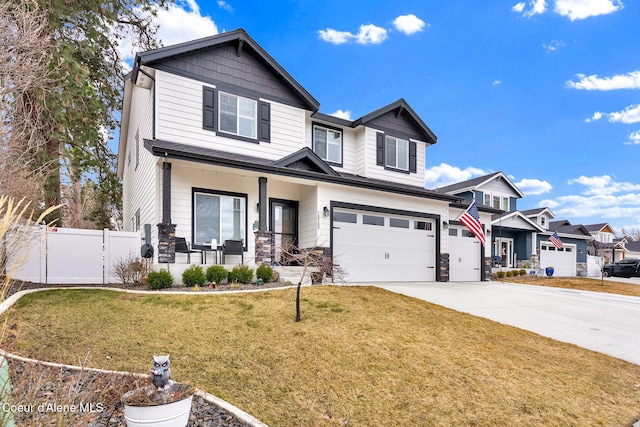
606,323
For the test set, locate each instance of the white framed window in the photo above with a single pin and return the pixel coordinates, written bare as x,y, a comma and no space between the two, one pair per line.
487,199
238,115
327,143
505,204
496,202
396,153
218,216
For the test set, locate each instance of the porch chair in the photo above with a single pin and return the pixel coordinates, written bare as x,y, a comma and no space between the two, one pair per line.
232,247
183,247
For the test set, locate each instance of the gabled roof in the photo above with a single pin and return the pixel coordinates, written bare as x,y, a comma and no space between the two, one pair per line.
604,227
242,40
400,107
511,220
565,227
633,246
306,159
538,212
474,183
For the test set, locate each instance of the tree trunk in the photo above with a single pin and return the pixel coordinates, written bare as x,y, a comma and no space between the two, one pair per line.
298,318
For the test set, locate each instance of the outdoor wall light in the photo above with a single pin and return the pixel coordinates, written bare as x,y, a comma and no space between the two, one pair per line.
325,210
445,224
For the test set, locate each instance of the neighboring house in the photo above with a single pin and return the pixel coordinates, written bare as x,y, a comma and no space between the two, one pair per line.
219,142
571,259
605,244
520,239
511,237
633,249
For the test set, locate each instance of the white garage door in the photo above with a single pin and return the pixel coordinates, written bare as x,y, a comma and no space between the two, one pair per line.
464,256
376,247
562,260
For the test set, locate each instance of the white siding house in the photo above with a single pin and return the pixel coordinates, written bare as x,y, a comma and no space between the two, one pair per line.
228,146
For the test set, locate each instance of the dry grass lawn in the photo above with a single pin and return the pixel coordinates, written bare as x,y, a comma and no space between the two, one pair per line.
586,284
361,357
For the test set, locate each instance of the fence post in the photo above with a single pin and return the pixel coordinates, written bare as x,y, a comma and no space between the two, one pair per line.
106,255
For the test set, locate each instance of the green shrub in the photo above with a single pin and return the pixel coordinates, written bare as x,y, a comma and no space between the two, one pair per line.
241,274
264,272
216,274
523,272
159,279
510,273
501,274
193,276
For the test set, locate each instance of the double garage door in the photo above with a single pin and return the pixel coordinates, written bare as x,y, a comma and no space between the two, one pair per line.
377,247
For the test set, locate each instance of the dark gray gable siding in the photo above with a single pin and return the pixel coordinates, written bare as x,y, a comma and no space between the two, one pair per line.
221,64
402,127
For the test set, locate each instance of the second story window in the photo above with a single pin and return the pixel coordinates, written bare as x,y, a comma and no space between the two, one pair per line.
235,116
327,143
396,153
238,115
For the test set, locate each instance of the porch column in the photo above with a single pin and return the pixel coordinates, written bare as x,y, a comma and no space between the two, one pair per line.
166,230
262,200
166,193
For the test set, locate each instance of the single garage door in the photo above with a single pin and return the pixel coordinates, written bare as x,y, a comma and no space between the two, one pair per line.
464,255
562,260
376,247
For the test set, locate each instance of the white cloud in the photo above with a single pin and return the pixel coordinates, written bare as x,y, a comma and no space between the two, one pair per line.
444,174
224,5
553,45
336,37
342,114
631,114
582,9
603,185
536,7
572,9
367,34
602,207
183,22
518,8
408,24
371,34
533,187
594,82
634,138
496,83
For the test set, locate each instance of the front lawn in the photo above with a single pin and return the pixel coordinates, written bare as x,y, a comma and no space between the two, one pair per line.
361,356
579,283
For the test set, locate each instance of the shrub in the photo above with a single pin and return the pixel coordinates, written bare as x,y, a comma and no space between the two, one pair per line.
523,272
264,272
510,273
193,276
241,274
160,279
501,274
131,269
216,274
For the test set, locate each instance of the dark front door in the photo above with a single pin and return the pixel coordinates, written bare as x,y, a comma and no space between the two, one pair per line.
283,222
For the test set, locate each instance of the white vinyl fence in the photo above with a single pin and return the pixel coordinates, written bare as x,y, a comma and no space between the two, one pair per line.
74,256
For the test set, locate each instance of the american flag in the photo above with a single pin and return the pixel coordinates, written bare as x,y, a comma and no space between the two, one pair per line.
556,240
471,219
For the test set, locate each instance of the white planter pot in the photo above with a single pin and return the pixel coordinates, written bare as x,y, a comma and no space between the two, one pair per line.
175,414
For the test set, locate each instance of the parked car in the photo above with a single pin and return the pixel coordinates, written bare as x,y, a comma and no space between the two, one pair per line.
624,268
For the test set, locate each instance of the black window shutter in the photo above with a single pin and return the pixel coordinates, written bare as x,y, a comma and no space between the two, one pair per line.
265,122
208,109
413,156
380,149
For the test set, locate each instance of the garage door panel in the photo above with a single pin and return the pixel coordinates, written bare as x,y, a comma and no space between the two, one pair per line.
464,257
373,253
563,261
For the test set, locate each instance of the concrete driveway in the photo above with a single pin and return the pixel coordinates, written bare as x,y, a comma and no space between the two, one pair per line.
606,323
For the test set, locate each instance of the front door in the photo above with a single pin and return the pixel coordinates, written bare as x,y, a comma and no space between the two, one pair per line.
283,222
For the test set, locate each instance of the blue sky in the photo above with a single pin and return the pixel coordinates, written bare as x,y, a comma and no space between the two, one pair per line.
547,92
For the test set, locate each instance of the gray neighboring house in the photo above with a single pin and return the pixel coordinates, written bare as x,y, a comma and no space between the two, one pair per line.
520,239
